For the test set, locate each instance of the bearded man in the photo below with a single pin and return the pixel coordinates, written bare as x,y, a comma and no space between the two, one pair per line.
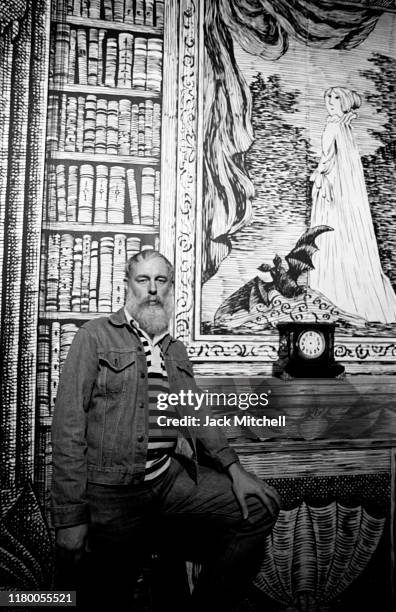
123,485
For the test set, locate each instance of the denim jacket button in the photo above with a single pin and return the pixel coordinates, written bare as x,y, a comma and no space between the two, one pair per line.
140,438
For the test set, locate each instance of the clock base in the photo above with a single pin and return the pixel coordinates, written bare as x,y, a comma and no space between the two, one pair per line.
326,370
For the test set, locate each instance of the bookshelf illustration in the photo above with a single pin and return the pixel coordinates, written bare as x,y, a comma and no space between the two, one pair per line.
102,176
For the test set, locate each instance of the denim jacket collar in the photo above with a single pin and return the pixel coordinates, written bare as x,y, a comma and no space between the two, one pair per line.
119,319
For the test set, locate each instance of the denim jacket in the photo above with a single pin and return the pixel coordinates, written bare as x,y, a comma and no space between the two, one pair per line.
100,423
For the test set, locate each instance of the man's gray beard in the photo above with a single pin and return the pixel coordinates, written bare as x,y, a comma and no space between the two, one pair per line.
152,318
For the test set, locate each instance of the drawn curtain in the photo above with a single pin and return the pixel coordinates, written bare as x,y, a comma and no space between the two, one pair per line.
23,76
261,27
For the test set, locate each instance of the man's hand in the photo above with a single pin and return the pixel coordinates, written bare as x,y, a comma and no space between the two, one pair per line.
245,484
73,541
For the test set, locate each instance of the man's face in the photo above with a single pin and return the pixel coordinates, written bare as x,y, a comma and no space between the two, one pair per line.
150,295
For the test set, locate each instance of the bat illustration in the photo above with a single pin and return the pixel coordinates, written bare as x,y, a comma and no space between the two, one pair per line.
299,260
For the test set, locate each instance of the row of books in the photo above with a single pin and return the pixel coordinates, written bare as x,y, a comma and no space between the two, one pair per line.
96,125
99,57
139,12
43,465
102,194
54,340
85,274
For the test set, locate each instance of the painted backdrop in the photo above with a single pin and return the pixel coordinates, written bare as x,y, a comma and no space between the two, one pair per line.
288,164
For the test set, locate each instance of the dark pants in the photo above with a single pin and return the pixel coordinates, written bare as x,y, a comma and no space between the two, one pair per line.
185,520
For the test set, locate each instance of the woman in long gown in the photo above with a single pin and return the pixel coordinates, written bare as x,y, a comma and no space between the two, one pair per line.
347,270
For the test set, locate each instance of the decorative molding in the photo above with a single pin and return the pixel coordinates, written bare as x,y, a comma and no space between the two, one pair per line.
169,131
218,350
186,167
351,349
365,350
226,354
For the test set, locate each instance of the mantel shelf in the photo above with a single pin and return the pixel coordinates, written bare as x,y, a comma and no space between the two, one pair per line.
120,26
104,90
99,228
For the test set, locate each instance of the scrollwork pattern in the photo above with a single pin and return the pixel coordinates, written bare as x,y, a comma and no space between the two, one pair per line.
268,352
365,352
186,178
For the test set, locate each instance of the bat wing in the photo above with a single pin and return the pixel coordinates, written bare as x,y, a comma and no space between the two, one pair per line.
300,258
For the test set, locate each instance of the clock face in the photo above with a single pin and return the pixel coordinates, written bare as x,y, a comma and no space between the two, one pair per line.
311,344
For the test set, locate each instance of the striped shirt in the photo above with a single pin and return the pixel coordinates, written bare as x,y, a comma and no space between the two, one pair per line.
161,440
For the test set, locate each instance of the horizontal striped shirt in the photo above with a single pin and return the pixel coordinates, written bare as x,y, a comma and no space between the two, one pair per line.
161,440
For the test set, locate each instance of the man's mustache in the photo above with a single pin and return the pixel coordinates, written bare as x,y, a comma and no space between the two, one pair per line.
153,301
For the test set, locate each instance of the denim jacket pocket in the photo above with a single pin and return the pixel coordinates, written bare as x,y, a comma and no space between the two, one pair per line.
114,369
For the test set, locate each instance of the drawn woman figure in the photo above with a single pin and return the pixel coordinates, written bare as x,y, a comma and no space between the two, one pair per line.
347,266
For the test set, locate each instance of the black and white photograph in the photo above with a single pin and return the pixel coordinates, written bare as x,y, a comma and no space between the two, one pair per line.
198,305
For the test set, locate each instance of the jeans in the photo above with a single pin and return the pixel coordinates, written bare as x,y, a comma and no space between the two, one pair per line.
185,520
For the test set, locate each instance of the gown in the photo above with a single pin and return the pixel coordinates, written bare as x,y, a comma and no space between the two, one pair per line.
347,267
